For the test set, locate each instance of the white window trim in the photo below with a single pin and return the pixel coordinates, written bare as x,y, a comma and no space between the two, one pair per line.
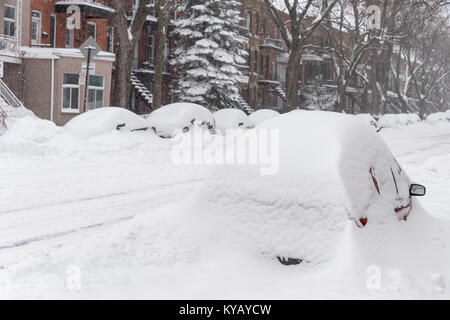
72,38
152,56
112,37
39,27
11,20
69,110
95,28
97,88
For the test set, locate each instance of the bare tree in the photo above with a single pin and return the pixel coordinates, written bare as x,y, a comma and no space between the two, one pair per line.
296,33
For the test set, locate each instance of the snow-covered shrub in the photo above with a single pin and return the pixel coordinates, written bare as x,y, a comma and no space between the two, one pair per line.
209,51
231,119
179,116
396,120
262,115
104,120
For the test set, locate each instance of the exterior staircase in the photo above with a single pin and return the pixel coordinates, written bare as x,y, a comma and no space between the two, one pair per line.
245,107
280,92
141,89
7,97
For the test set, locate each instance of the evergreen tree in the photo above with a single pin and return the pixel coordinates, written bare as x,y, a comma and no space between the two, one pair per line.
209,50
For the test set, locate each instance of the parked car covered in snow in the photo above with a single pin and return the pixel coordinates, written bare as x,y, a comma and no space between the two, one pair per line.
396,120
367,118
335,174
103,120
169,119
439,117
228,119
262,115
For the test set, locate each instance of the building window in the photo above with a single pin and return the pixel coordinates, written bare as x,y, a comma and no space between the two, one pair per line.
110,39
9,25
166,56
71,92
249,21
151,49
70,33
92,30
53,31
95,92
36,27
257,24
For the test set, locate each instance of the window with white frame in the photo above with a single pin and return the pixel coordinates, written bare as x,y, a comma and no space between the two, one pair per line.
36,27
71,92
92,30
95,92
9,21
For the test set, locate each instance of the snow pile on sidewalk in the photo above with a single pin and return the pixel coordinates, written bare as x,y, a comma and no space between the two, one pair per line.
104,120
227,119
397,120
9,114
178,116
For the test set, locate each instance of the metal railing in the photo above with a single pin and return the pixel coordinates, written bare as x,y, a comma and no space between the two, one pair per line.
9,45
9,97
95,3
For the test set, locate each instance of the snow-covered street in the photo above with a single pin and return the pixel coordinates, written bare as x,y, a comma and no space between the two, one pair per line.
69,207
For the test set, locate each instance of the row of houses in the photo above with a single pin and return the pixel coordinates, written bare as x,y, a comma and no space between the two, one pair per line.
43,65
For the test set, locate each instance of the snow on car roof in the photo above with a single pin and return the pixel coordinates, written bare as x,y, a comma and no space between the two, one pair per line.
103,120
231,119
167,119
262,115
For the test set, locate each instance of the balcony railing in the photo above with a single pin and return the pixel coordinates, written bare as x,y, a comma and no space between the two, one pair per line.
276,44
93,8
9,46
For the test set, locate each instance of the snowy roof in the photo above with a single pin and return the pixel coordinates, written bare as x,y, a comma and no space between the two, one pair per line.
55,53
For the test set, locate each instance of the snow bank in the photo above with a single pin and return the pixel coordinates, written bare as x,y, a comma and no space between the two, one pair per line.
438,117
262,115
231,119
323,187
104,120
396,120
178,116
8,115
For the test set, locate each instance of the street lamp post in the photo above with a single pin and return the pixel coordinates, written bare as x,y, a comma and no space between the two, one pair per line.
88,48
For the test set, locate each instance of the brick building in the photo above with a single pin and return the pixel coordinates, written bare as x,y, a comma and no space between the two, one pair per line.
44,67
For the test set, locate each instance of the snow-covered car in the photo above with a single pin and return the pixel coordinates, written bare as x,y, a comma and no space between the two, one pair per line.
262,115
335,175
396,120
103,120
170,119
439,117
367,118
229,119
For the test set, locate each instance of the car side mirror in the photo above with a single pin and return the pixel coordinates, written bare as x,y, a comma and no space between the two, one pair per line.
417,190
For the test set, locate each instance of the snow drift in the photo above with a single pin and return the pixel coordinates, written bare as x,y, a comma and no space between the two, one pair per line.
178,116
104,120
